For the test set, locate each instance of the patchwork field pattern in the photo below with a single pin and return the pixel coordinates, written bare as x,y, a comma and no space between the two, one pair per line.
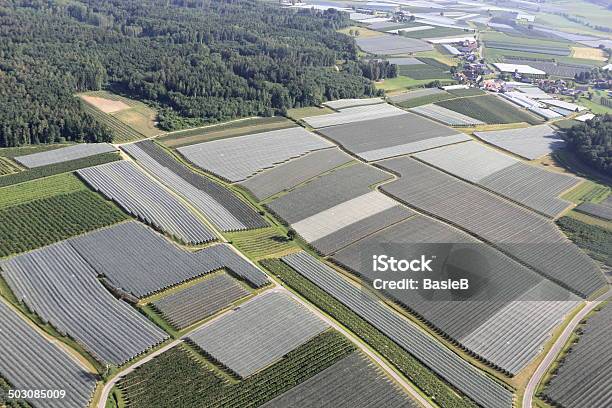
525,235
294,172
218,204
31,362
64,154
353,115
258,334
137,260
397,135
531,143
352,382
446,116
489,109
237,158
388,44
139,195
44,221
177,377
529,185
583,377
58,285
53,169
197,302
509,286
465,377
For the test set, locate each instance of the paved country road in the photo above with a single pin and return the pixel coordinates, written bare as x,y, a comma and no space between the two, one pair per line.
401,381
556,349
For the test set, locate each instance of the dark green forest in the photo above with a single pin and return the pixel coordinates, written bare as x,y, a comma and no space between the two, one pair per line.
207,60
592,142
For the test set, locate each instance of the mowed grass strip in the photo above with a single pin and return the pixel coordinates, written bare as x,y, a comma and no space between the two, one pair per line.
38,189
489,109
57,168
588,192
42,222
262,242
224,130
179,378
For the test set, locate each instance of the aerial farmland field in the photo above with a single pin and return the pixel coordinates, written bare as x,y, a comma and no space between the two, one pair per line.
305,204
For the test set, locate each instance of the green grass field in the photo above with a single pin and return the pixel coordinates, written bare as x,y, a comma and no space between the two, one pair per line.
38,189
424,100
489,109
37,223
263,242
587,192
466,92
224,130
421,71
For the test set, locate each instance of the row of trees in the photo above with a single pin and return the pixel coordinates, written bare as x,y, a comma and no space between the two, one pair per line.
204,60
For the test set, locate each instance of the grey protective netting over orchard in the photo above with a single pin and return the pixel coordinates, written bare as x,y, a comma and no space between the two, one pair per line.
353,382
28,361
354,114
58,285
532,186
448,365
237,158
136,259
259,333
294,172
143,197
205,298
499,285
226,211
395,136
583,377
446,116
523,234
63,154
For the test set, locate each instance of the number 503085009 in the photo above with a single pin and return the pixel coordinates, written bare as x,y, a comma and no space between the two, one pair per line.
36,394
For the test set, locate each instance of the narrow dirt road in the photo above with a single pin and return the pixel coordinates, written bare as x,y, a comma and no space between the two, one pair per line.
556,349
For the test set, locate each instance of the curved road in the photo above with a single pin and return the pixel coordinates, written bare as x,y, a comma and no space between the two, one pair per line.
556,349
392,373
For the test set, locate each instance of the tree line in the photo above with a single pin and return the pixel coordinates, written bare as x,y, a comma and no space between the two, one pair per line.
591,141
199,61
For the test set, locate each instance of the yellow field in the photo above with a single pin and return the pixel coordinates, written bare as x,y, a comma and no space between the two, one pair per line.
589,53
140,118
105,105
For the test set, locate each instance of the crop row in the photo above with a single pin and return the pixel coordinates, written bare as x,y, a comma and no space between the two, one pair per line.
7,167
226,211
30,361
58,285
137,193
414,370
489,109
38,189
122,133
157,384
259,333
42,222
